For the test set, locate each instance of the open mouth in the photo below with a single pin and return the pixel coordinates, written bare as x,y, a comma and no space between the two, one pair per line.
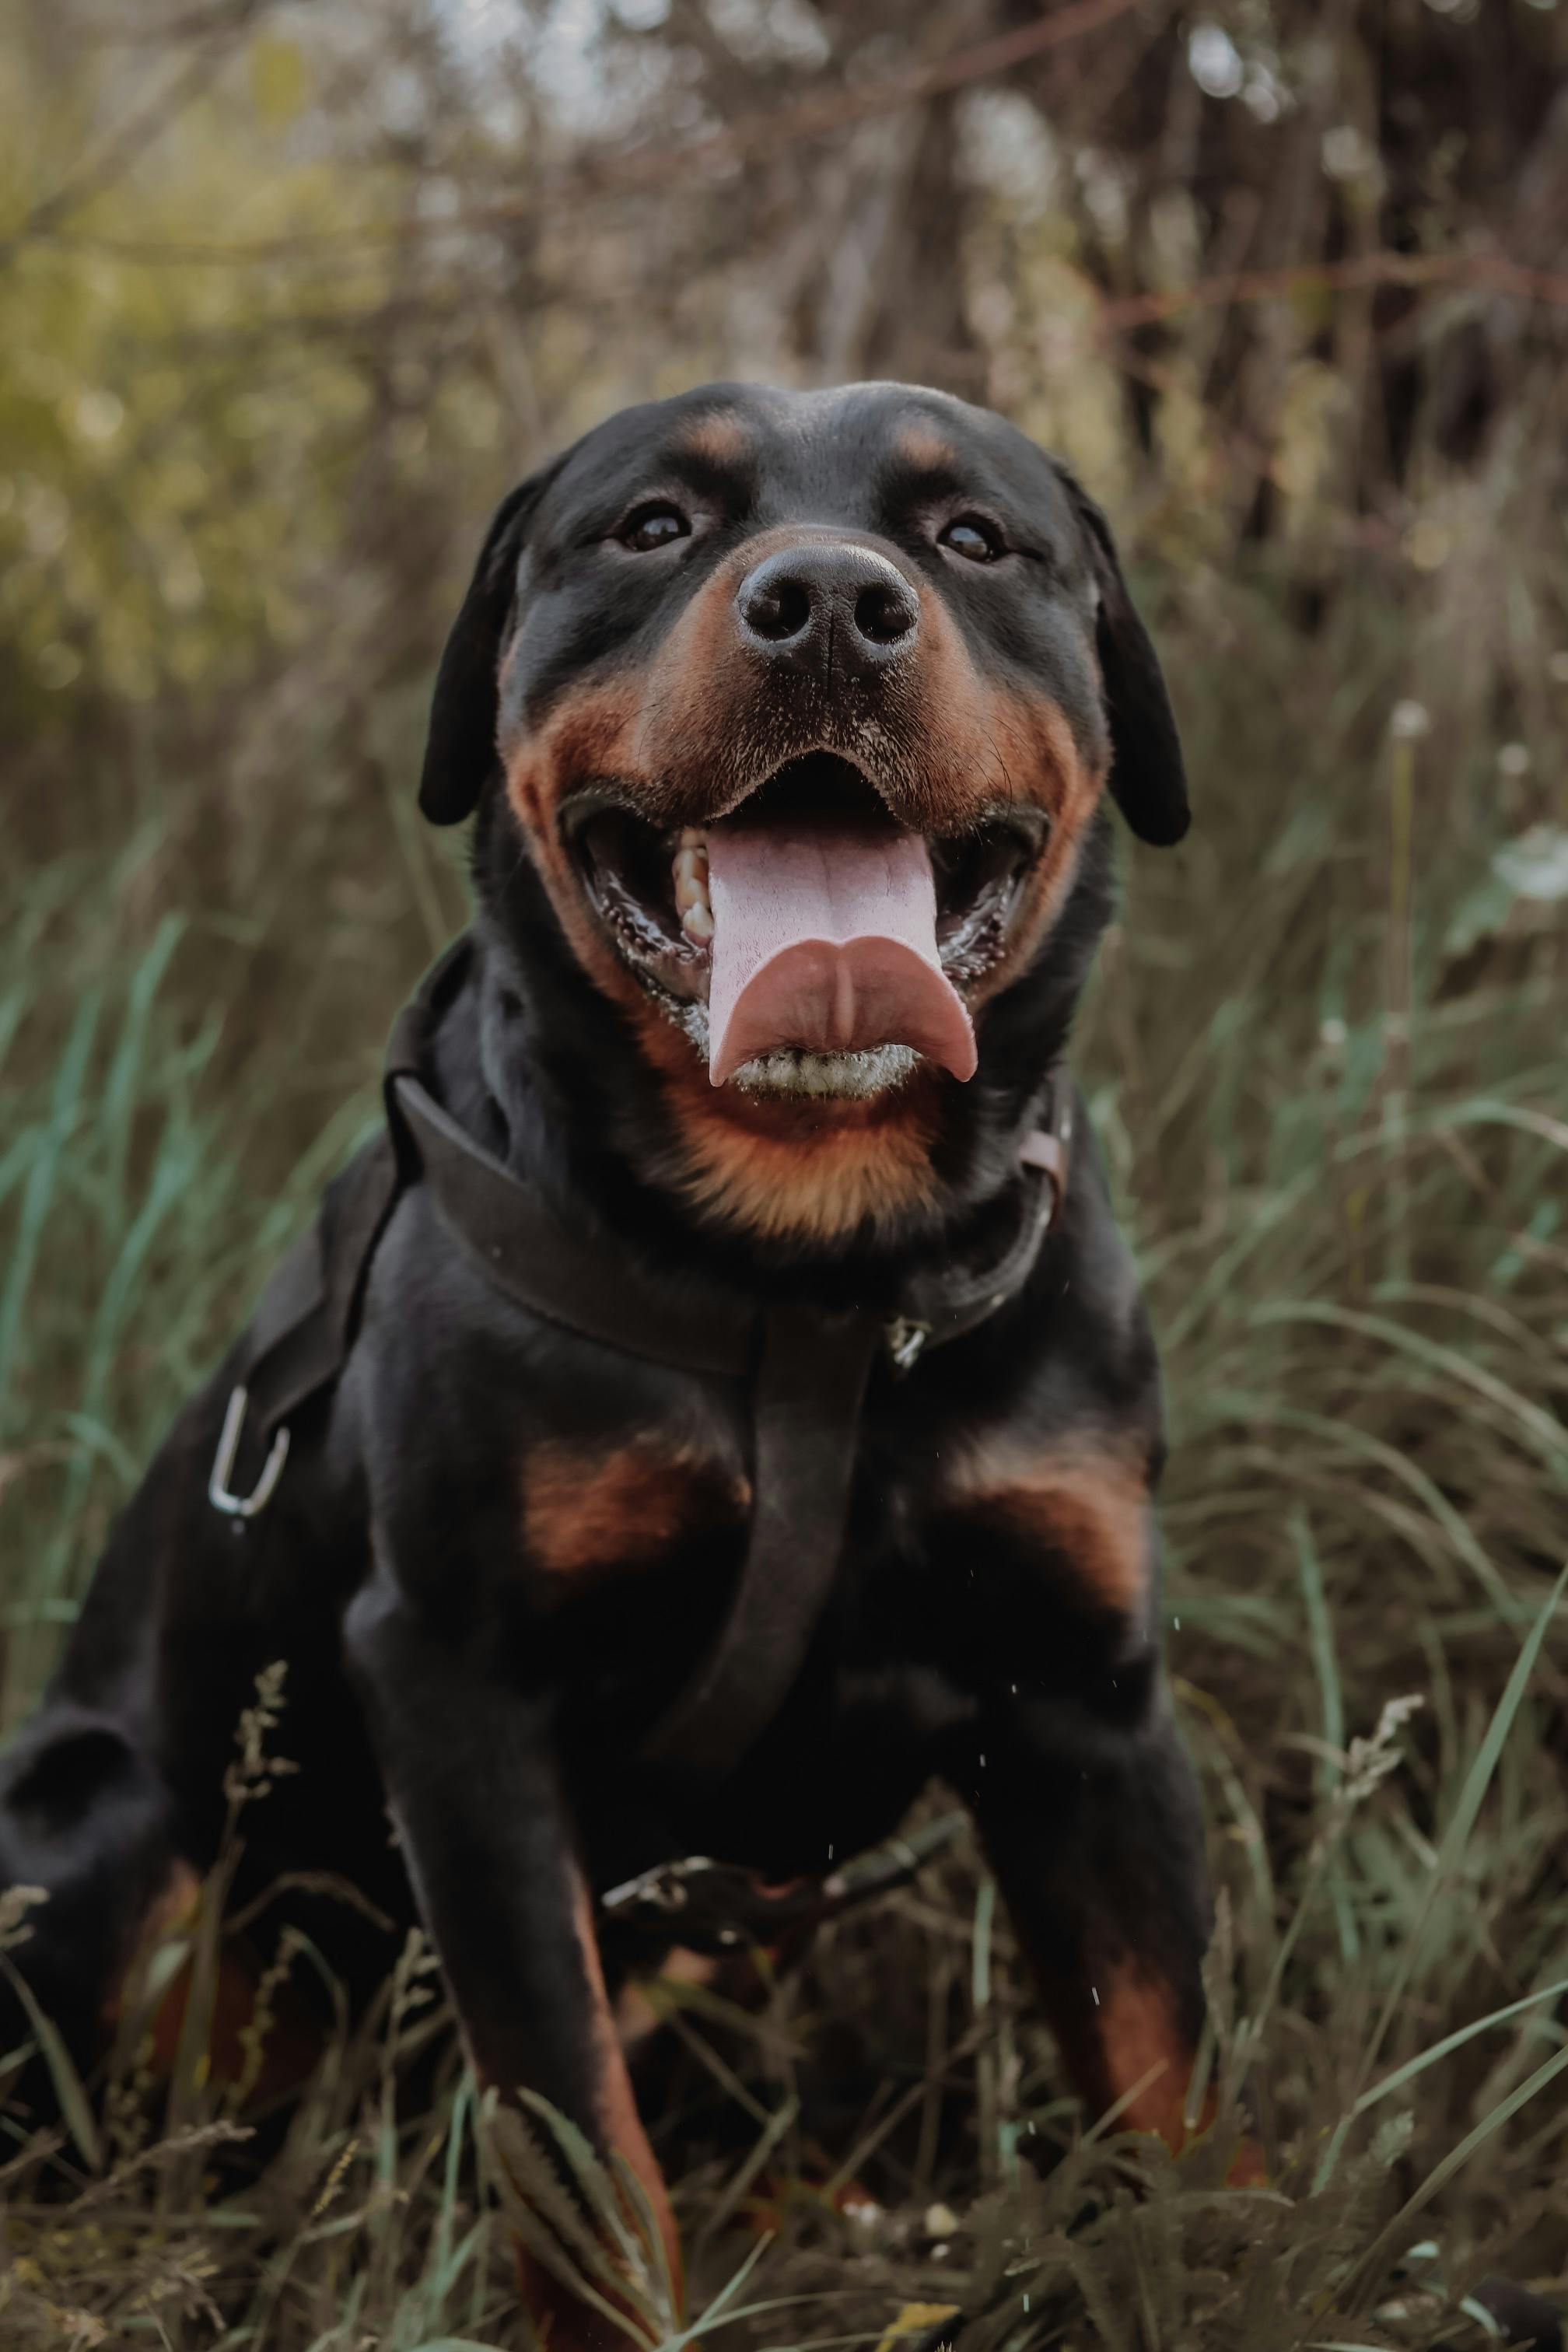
808,942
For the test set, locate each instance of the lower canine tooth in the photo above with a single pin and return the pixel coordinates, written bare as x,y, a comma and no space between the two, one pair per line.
696,921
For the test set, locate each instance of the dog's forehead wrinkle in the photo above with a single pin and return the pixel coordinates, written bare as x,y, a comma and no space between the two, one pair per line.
826,454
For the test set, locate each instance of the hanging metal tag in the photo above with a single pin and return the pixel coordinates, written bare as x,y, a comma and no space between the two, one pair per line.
906,1339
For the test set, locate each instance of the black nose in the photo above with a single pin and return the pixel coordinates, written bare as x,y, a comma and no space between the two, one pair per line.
843,608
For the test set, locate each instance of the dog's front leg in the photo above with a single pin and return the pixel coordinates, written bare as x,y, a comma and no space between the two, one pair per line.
476,1792
1090,1816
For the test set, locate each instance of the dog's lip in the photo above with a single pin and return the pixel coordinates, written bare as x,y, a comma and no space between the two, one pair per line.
592,801
1029,826
983,866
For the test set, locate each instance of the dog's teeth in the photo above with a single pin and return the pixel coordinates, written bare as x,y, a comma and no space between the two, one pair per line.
692,885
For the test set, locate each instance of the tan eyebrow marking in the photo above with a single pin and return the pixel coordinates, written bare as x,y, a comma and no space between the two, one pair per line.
719,437
922,446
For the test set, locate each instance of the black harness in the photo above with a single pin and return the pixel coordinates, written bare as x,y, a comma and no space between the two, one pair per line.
807,1367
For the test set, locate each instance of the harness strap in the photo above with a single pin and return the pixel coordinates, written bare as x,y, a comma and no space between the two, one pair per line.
810,1386
300,1335
809,1367
529,1253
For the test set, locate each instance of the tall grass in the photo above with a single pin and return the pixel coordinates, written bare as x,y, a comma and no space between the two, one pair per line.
1325,1058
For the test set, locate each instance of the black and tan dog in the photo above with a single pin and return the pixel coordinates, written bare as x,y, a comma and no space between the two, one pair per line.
723,1403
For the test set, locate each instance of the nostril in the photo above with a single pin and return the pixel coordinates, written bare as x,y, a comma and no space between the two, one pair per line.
777,608
885,612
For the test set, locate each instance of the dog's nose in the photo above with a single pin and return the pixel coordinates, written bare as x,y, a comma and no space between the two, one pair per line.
843,607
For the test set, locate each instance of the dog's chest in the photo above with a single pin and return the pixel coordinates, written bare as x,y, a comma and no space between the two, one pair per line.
945,1532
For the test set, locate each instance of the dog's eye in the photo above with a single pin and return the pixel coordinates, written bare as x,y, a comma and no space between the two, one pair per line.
971,536
653,526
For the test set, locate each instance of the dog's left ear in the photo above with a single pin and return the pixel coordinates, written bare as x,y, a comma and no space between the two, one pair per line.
1148,777
460,748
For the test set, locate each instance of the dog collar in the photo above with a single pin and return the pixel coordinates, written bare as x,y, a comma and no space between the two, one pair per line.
807,1367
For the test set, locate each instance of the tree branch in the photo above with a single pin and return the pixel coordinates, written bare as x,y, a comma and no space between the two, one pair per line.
643,168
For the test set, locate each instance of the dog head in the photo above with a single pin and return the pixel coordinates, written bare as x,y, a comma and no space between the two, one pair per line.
801,703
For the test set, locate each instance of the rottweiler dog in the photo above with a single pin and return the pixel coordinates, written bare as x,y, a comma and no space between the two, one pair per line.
788,720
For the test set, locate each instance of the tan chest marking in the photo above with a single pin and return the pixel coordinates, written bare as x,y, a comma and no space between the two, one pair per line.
586,1511
771,1171
1088,1501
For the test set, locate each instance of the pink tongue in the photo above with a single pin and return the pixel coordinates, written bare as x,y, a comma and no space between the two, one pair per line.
824,937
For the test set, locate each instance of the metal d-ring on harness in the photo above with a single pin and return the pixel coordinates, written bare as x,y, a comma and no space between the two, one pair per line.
807,1367
220,1495
1041,1148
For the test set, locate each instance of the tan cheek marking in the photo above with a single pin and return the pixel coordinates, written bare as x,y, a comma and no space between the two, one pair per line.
962,765
699,691
585,1511
981,744
1090,1505
1047,749
1008,745
590,734
1016,747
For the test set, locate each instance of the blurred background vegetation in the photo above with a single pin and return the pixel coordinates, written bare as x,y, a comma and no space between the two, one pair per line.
290,294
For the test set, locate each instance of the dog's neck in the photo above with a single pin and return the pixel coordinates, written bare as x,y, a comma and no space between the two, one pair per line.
544,1070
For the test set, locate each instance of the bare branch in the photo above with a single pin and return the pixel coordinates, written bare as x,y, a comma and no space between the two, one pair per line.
1120,314
142,127
643,168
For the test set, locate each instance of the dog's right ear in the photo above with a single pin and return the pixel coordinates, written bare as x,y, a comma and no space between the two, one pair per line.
460,748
